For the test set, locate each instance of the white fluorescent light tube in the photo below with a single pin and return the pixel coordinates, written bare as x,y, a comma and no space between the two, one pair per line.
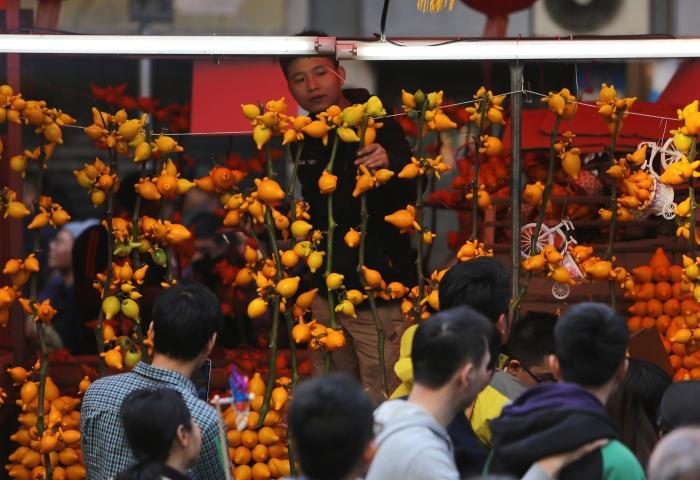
157,45
563,49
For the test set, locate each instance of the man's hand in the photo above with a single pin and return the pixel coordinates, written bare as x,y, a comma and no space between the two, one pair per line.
372,156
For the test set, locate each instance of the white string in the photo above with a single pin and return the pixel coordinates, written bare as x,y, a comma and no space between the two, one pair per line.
466,102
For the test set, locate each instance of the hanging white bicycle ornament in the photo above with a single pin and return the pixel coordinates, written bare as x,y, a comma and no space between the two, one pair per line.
560,237
661,202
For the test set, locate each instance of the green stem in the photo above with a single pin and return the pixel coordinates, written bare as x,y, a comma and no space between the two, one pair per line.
272,363
475,180
418,310
330,233
364,215
613,202
293,179
271,233
43,347
691,194
136,259
99,329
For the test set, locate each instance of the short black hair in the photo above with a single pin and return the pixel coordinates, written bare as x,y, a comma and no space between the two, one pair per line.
532,338
330,419
679,406
150,419
287,60
482,283
185,316
590,341
447,341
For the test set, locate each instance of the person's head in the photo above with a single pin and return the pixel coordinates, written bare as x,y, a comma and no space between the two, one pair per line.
590,341
208,243
186,321
331,420
315,82
160,430
450,351
677,456
530,343
61,246
679,406
482,283
634,405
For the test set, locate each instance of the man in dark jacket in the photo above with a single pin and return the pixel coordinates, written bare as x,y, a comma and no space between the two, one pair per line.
316,84
590,341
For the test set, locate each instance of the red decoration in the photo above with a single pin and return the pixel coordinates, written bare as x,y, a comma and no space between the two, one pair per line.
498,8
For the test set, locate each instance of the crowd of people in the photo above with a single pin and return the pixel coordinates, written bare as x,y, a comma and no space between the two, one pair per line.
560,399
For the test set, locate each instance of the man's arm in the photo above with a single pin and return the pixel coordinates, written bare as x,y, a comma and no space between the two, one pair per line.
213,454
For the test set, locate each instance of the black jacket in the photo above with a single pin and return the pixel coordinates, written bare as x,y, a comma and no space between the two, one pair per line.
386,250
549,419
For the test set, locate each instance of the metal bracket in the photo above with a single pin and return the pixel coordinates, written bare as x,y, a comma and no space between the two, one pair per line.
325,45
345,50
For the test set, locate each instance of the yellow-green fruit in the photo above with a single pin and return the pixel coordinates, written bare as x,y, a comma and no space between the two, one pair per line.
130,309
111,306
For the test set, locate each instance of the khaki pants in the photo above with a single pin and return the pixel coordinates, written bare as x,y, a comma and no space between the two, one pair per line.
360,356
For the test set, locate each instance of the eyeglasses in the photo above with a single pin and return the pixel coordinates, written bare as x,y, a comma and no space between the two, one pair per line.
542,377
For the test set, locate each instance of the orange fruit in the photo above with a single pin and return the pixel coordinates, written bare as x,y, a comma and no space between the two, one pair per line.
260,453
241,456
634,323
638,308
261,471
672,307
661,274
695,374
655,308
691,361
679,349
659,259
676,272
677,289
689,305
648,322
646,291
663,291
643,273
249,438
663,322
681,374
243,472
676,361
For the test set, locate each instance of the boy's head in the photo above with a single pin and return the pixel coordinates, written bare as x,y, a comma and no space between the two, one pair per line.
315,82
590,341
452,346
530,343
186,320
333,427
484,285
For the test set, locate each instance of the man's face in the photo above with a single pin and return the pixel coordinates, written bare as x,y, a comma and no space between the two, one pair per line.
315,83
540,373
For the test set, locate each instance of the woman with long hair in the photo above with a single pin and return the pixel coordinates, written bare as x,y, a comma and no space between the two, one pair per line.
162,434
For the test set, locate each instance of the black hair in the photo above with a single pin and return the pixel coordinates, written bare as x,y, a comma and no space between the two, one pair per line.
287,60
531,338
331,421
634,405
679,406
590,341
185,316
482,283
447,341
206,226
150,419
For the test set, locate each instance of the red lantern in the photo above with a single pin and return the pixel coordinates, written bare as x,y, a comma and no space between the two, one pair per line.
497,12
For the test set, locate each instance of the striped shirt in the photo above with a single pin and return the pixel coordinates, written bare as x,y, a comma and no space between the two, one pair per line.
104,444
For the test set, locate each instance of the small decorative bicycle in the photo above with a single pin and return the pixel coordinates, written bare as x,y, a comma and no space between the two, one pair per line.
561,237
